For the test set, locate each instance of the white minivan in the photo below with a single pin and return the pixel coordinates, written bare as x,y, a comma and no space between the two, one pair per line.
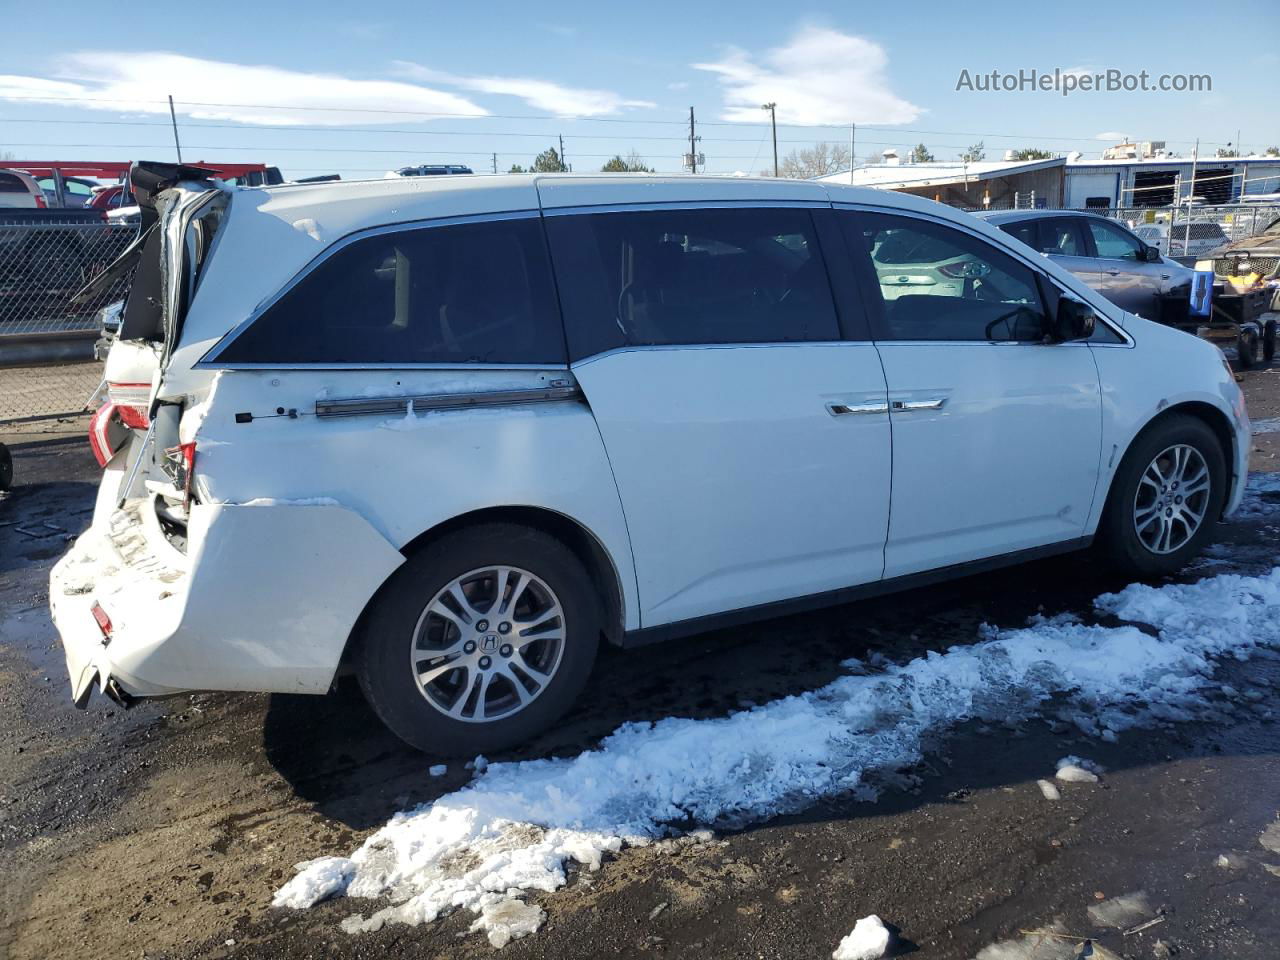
450,433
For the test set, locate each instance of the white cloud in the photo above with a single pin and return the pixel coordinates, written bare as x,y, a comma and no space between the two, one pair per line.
819,76
1111,135
678,85
540,94
139,83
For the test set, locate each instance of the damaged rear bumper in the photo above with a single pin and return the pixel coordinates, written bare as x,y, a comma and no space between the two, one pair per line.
263,599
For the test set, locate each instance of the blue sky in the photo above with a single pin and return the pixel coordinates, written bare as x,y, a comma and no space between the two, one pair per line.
611,78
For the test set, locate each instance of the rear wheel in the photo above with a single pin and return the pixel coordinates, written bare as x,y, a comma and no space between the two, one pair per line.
480,641
1269,341
1248,348
1165,498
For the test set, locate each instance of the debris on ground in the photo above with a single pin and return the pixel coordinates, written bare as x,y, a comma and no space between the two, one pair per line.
508,920
1049,790
869,940
1122,912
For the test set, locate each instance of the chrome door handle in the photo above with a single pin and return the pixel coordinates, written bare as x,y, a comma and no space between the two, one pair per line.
907,406
1164,276
1113,273
869,407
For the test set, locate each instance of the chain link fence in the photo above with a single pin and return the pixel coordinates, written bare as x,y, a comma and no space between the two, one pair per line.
46,339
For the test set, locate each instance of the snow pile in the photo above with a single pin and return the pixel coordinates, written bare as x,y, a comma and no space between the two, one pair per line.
517,826
1261,497
868,941
1076,770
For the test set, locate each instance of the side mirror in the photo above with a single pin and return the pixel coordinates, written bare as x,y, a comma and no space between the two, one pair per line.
1074,321
1151,254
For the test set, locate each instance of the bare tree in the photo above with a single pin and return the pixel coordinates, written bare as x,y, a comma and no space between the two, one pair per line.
820,160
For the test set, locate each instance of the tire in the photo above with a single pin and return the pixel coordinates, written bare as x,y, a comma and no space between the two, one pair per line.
414,629
1269,341
1119,536
6,468
1247,348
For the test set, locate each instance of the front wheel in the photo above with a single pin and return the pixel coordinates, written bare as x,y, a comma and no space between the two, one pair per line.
1165,498
480,641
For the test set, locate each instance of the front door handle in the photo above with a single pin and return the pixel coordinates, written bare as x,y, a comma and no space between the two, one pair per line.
869,407
1113,273
931,403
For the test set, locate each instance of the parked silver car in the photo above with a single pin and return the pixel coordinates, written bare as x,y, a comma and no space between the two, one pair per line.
1127,271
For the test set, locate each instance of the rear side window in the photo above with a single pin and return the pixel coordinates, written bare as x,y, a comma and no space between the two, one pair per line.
463,293
1024,230
743,275
1062,238
11,184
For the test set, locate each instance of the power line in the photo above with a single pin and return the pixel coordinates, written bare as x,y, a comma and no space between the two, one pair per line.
562,117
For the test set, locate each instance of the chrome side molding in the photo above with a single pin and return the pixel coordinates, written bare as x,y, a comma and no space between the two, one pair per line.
384,406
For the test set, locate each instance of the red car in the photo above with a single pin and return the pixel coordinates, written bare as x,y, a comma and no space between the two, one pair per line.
111,196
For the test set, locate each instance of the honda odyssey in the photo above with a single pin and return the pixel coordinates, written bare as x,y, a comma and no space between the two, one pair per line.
452,433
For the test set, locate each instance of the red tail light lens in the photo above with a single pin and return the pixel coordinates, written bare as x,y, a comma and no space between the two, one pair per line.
106,433
132,401
41,203
183,456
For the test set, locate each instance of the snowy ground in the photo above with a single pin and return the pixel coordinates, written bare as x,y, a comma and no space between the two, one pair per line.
978,764
513,829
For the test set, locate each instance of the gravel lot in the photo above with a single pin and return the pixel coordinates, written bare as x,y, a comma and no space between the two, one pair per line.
163,831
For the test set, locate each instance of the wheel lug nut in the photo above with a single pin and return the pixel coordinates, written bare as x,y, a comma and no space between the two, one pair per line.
485,663
482,626
506,650
504,627
470,646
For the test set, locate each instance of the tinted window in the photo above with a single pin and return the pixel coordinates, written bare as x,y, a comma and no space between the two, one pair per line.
1024,230
1112,242
1062,238
741,275
11,184
479,292
954,286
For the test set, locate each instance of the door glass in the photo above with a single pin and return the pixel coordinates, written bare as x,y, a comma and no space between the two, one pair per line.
1061,238
748,275
1112,242
939,283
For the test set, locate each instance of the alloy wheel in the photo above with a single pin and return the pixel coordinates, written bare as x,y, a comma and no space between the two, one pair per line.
1172,499
488,644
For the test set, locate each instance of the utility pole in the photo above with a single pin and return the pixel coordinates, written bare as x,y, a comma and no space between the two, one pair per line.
495,163
564,167
853,156
773,124
173,117
693,145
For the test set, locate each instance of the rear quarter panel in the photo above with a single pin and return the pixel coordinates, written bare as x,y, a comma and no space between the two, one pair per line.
407,475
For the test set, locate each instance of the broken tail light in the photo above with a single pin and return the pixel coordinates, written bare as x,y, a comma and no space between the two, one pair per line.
106,433
132,401
182,459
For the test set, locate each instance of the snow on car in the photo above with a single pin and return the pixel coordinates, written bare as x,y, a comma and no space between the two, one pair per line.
451,433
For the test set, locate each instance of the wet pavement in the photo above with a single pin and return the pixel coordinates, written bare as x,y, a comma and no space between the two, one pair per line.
164,830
